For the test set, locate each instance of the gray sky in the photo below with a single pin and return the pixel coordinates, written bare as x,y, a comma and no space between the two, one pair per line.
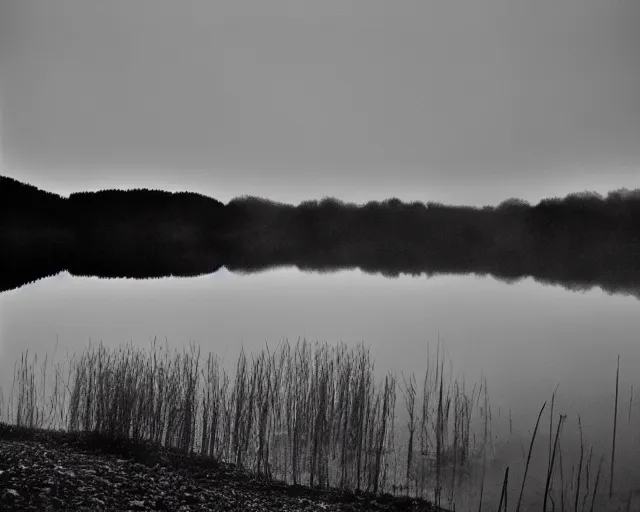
455,100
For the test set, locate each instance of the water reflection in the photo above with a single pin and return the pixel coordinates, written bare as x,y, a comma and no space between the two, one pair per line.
524,339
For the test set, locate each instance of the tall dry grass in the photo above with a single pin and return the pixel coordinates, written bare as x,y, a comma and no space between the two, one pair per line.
305,414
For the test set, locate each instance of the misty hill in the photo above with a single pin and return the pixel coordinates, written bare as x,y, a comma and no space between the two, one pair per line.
580,241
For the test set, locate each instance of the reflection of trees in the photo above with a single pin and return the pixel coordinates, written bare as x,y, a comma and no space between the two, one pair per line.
580,241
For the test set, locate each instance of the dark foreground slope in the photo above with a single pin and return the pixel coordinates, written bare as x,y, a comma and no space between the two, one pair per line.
45,470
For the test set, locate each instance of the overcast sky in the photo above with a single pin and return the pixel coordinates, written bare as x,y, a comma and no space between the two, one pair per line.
465,101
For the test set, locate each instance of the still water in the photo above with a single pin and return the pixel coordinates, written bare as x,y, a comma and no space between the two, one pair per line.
524,338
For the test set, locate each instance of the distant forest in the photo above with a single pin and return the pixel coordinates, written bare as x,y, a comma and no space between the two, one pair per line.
579,241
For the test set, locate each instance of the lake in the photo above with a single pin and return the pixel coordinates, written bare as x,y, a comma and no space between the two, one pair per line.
523,338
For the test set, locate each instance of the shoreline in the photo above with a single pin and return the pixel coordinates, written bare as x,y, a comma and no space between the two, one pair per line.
59,470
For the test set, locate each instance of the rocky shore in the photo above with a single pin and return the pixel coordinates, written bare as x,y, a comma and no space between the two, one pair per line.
46,470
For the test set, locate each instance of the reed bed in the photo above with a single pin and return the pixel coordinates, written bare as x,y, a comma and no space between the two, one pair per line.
305,413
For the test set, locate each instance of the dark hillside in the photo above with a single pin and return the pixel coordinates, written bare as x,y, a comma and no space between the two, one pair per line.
24,204
145,233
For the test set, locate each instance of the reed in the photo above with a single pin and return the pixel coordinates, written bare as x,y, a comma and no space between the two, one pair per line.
553,399
595,487
526,469
410,400
562,488
439,438
551,461
615,424
503,493
456,440
424,422
587,480
484,446
575,504
303,413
